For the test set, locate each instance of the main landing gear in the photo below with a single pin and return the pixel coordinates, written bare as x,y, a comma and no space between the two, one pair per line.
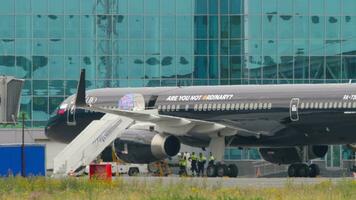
220,170
303,170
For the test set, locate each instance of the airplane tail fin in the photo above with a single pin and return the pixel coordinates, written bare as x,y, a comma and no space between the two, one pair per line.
80,98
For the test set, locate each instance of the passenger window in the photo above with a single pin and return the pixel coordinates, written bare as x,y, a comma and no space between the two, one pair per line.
214,106
200,107
164,108
335,105
209,107
232,106
269,105
339,104
326,105
237,106
205,107
186,107
344,104
307,105
320,105
242,106
195,107
168,108
302,105
246,106
311,105
349,105
260,106
218,106
178,108
223,106
173,107
255,106
265,105
228,106
354,104
251,106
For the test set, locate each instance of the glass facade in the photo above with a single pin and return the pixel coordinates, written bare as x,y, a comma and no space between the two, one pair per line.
135,43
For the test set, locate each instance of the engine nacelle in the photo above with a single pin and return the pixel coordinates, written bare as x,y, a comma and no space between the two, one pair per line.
143,146
291,155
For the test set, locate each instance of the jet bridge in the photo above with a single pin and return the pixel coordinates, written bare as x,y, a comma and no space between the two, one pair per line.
90,143
10,91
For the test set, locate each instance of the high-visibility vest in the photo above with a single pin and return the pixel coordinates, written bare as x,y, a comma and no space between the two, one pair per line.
211,158
202,158
193,157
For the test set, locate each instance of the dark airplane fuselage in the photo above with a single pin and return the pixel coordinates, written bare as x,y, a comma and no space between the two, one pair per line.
279,115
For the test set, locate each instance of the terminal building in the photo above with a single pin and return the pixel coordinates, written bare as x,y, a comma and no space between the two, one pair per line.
135,43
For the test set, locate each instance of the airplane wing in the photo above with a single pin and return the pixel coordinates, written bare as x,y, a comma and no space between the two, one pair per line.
169,124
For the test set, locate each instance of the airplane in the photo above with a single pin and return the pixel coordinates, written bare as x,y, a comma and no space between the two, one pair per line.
290,124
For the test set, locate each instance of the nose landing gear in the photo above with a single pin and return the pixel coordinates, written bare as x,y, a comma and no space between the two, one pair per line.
303,170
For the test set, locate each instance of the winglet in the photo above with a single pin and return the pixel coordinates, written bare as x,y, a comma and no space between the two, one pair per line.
80,98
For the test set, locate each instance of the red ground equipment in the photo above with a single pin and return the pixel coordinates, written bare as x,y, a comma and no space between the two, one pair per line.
100,171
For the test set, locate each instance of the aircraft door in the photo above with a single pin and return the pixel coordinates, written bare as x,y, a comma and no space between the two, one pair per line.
71,118
293,110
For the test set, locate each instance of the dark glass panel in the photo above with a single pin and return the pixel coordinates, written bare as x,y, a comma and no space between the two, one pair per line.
269,66
349,67
301,7
224,27
184,7
213,6
333,7
200,47
24,67
136,69
72,6
168,28
55,6
235,67
317,67
168,7
285,26
269,26
270,7
23,26
88,63
285,67
349,47
7,65
72,67
213,47
201,27
236,27
7,29
332,28
235,47
254,6
201,7
56,88
224,7
56,67
254,26
22,6
54,103
213,67
184,27
39,6
40,67
285,6
27,88
301,67
316,7
224,67
70,87
184,47
333,67
40,87
213,27
224,47
200,67
136,83
236,6
40,108
26,107
184,66
152,67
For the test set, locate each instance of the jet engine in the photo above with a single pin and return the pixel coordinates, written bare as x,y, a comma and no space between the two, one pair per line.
144,146
290,155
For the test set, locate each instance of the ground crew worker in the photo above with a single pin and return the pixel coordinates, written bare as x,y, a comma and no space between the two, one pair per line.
211,159
182,166
193,159
201,163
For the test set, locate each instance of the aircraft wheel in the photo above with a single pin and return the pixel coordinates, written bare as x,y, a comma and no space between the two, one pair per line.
233,170
221,170
314,170
133,171
292,170
211,171
303,170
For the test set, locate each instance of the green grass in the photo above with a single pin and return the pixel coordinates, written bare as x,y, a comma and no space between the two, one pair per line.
81,188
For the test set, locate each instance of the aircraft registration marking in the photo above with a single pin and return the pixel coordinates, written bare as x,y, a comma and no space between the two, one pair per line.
209,97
